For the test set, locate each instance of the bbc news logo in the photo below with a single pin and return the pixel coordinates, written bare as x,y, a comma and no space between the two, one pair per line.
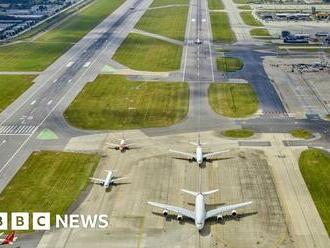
20,221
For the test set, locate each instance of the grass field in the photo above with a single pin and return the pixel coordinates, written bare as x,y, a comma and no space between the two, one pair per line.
229,64
238,133
301,133
221,28
240,1
170,22
315,167
215,5
245,7
11,87
249,19
38,54
144,53
113,102
157,3
233,99
48,182
259,32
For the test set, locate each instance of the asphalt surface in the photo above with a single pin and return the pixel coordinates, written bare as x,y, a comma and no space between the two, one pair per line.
198,61
254,73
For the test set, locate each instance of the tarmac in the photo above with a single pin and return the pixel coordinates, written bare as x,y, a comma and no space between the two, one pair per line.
154,174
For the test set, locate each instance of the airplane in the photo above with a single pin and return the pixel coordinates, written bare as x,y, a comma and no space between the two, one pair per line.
108,181
200,215
198,156
9,239
122,146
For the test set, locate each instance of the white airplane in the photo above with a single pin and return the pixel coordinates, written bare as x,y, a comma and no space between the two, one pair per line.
108,181
122,146
9,239
200,214
198,156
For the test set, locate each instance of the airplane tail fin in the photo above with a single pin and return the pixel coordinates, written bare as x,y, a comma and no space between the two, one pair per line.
190,192
210,192
196,193
198,143
122,137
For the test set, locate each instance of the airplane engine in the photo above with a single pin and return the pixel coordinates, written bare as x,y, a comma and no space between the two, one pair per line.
234,213
219,217
179,217
165,213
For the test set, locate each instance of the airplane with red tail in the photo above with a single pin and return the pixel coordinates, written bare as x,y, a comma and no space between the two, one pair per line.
9,239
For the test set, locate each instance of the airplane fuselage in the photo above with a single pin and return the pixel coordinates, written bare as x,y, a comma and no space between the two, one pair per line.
200,212
122,145
199,155
108,180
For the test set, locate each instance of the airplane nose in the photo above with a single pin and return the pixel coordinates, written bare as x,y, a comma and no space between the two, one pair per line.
199,226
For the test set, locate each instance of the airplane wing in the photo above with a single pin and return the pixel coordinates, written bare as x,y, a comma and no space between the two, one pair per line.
130,145
118,179
213,153
112,144
97,180
178,210
221,210
183,153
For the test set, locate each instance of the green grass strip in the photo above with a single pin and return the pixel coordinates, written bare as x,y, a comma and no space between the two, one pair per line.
249,19
233,99
113,102
144,53
48,182
11,87
314,165
169,22
221,29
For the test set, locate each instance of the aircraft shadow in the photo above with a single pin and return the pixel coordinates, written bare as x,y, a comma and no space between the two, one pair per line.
208,206
115,185
208,223
203,165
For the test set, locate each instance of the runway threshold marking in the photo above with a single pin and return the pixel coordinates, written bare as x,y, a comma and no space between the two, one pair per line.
17,130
